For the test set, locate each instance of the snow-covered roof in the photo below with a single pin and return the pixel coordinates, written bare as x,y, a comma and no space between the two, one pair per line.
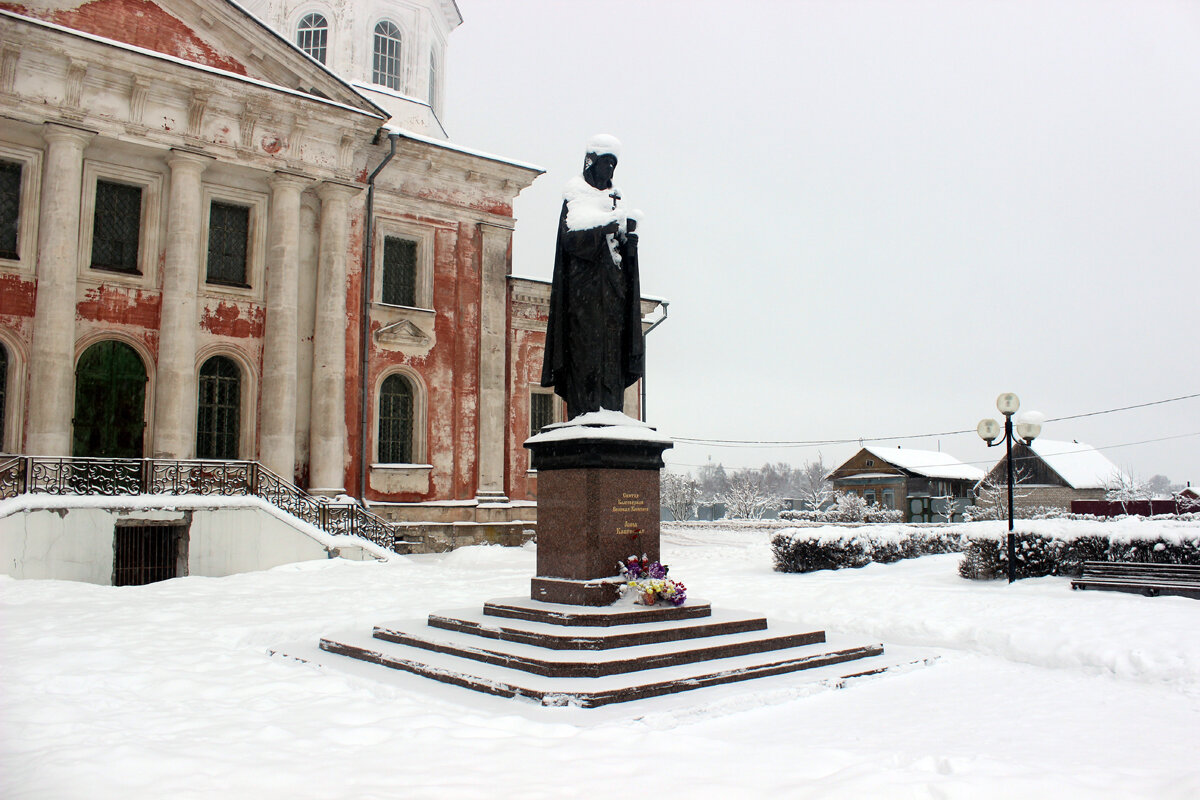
417,137
195,65
928,463
1079,464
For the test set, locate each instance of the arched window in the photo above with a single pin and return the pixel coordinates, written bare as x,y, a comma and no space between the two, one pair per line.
312,36
385,68
396,420
3,391
433,81
110,402
218,412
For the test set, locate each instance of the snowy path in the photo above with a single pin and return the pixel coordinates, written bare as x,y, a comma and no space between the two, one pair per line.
165,690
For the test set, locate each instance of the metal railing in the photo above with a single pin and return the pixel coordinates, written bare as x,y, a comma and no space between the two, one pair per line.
116,477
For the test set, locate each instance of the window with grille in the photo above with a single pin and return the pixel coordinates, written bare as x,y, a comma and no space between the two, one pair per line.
3,391
385,67
218,413
117,227
10,208
399,271
148,552
313,35
541,411
228,240
396,421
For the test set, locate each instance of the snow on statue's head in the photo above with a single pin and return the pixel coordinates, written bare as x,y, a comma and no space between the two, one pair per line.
602,154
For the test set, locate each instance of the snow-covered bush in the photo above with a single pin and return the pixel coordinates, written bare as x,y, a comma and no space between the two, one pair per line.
1039,555
811,549
847,507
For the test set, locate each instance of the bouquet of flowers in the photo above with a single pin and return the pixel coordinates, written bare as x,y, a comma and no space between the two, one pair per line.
649,582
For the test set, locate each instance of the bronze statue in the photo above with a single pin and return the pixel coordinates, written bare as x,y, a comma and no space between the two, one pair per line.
594,345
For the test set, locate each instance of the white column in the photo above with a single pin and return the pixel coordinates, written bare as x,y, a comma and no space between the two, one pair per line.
493,328
277,434
175,387
327,440
52,353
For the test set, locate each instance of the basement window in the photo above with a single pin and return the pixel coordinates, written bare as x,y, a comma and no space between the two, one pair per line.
147,552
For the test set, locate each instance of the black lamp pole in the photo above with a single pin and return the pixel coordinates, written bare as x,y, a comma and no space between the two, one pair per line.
1012,537
989,431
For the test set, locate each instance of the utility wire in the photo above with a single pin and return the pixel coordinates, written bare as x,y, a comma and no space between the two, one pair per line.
994,461
751,443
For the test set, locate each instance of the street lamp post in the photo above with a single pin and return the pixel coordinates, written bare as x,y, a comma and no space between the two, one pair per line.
1028,429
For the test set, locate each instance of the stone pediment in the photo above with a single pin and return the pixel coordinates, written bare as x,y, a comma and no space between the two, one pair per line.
404,335
212,33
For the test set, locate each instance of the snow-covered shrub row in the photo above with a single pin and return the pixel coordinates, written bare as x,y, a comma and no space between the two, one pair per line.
811,549
992,513
847,507
1042,554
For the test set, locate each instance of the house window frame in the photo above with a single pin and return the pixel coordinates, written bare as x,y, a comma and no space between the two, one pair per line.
424,238
888,499
326,29
420,451
151,184
29,197
256,247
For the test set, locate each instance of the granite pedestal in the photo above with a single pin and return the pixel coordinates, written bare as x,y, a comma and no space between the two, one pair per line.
598,504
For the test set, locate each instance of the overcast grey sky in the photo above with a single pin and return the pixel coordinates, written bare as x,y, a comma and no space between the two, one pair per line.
871,218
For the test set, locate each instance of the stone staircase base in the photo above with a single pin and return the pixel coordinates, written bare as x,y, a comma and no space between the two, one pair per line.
593,656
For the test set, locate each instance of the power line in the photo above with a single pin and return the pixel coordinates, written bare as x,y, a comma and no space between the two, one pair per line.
752,443
994,461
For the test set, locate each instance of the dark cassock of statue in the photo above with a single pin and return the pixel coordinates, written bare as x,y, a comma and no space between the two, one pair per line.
594,345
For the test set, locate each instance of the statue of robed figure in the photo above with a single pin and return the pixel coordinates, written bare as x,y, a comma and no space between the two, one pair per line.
594,344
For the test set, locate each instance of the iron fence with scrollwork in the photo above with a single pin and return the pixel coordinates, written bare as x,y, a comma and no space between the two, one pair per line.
132,476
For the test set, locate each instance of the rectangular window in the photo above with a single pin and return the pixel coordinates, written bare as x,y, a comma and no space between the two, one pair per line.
10,208
228,241
148,552
889,498
541,411
869,496
117,227
399,271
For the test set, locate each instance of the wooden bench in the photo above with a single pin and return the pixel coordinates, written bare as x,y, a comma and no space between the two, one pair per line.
1151,580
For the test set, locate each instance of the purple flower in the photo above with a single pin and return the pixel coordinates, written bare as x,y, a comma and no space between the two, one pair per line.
680,596
657,571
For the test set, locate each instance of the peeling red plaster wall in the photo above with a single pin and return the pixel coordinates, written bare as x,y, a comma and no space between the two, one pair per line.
233,320
135,22
120,305
16,296
466,361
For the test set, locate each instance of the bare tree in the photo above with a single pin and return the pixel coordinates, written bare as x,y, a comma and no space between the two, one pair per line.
680,494
1159,486
1123,488
993,494
815,489
747,497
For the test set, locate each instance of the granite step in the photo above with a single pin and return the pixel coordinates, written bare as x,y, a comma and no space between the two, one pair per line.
594,663
621,613
846,659
553,636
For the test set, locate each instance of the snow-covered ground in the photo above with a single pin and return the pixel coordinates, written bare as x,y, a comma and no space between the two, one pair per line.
167,691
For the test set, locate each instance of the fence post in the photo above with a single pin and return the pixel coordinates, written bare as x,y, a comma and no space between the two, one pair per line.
254,478
147,468
26,471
